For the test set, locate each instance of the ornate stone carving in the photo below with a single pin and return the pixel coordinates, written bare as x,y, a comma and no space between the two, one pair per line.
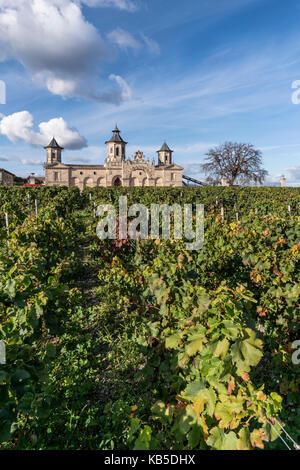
138,157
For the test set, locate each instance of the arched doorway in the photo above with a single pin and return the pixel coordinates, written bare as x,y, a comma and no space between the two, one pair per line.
117,181
88,182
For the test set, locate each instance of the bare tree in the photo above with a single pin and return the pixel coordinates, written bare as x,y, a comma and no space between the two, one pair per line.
238,163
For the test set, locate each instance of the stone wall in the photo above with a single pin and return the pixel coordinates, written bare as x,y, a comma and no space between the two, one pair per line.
6,178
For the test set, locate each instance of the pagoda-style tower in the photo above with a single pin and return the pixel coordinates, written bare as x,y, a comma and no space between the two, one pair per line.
165,155
116,148
53,152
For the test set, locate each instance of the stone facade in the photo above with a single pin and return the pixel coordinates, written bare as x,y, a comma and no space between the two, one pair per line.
116,171
6,178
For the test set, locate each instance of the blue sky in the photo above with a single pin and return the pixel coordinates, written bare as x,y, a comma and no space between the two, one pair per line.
194,73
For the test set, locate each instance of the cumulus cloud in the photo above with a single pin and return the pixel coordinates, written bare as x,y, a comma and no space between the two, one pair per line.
20,126
59,86
55,43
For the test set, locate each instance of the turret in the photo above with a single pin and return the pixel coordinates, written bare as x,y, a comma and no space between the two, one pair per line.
116,147
283,181
165,155
53,152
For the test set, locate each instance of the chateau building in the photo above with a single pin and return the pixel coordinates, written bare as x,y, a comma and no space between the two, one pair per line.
6,178
117,169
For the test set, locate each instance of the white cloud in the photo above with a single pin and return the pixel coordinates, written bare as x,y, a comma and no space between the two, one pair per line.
123,39
32,162
59,86
19,126
153,46
127,5
293,174
126,91
58,47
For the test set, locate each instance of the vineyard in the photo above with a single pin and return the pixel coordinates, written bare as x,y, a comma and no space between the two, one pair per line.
143,344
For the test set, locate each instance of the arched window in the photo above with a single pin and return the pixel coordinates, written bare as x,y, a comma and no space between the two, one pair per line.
117,151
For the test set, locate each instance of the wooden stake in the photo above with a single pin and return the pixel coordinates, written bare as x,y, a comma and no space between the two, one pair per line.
7,223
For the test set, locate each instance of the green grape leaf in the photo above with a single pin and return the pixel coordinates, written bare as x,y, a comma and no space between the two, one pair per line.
220,440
